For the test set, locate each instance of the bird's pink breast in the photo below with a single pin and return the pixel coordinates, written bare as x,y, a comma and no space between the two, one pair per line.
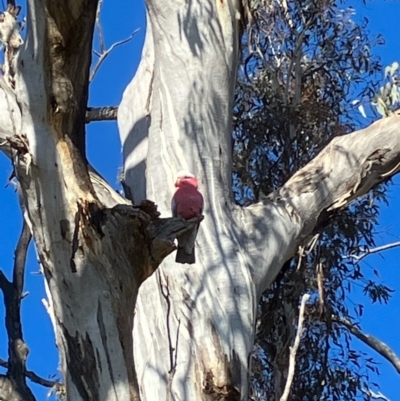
188,202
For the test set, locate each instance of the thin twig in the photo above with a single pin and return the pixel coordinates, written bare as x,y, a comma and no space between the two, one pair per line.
372,341
293,350
33,377
165,293
375,396
321,288
177,343
173,352
367,252
105,53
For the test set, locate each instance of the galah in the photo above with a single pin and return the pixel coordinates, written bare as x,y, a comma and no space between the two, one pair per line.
187,202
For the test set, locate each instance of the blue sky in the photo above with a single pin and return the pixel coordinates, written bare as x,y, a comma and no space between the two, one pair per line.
104,153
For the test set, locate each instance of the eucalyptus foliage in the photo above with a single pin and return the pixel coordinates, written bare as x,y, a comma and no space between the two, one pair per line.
304,62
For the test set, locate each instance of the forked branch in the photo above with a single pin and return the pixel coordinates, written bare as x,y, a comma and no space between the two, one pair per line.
17,349
102,56
104,53
33,377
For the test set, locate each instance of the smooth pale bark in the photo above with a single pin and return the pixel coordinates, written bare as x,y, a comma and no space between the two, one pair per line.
193,78
75,236
194,326
134,137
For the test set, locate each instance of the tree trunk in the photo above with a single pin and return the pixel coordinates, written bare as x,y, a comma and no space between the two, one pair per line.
94,247
194,329
75,234
194,325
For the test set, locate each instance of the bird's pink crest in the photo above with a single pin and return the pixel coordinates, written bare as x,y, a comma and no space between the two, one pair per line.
186,178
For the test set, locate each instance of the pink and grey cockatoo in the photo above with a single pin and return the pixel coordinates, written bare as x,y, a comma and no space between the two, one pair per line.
187,202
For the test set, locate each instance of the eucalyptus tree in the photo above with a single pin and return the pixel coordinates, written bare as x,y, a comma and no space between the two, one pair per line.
193,331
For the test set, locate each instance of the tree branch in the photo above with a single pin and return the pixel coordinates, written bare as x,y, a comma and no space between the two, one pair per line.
101,113
348,167
105,53
293,350
371,341
367,252
166,295
32,376
12,292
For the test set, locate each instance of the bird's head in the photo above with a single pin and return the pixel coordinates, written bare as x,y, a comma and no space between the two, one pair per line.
186,178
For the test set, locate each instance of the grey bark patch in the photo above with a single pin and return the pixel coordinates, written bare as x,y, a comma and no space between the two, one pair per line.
64,228
187,300
82,364
103,334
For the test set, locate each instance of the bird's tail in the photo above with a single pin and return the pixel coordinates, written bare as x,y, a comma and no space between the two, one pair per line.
183,257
